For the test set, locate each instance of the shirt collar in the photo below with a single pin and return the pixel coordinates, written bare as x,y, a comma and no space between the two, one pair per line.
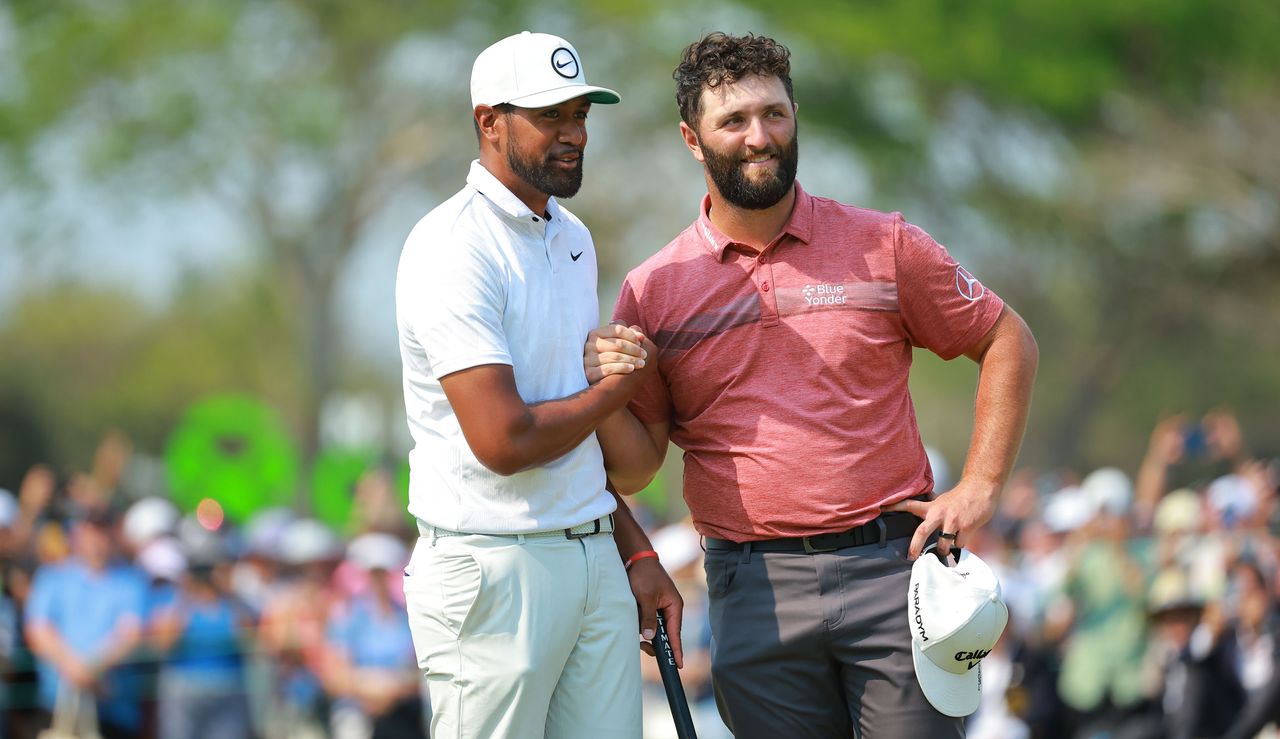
483,181
799,225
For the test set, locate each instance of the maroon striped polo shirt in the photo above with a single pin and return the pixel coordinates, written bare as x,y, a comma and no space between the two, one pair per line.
783,372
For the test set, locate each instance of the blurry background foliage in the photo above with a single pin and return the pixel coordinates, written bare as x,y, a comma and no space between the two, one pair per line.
210,196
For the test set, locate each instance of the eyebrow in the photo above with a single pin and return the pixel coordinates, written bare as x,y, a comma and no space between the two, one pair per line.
766,108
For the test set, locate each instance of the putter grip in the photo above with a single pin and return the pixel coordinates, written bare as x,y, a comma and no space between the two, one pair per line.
671,682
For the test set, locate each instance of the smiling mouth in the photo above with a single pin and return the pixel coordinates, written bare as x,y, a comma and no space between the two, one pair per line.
567,161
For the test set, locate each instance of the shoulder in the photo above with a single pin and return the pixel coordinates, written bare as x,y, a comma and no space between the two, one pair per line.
457,237
828,213
459,221
687,246
49,575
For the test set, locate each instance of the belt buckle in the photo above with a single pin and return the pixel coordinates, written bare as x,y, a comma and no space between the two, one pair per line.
811,549
568,533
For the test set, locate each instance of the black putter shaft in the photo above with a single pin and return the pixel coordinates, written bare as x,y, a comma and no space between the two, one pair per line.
671,682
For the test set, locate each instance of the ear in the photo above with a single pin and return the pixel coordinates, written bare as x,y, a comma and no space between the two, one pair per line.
691,141
488,119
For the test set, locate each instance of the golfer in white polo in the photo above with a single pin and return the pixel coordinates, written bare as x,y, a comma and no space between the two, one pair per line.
522,613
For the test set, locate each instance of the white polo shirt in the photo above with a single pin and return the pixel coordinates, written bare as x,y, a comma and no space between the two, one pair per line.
485,280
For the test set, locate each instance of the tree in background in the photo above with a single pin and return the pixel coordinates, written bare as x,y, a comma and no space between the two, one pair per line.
1112,170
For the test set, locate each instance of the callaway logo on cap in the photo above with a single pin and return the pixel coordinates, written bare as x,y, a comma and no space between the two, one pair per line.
956,616
532,70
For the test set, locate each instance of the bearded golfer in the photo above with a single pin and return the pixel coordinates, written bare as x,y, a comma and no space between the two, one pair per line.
521,612
785,324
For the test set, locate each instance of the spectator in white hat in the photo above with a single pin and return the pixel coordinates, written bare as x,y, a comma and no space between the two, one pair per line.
148,519
202,632
257,573
293,623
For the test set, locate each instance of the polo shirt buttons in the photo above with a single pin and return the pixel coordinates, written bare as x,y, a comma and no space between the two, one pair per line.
764,286
535,219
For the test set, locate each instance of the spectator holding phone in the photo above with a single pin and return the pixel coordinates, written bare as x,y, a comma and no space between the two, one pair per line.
1183,453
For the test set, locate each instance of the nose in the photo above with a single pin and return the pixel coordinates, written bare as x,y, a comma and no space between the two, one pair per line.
574,133
757,138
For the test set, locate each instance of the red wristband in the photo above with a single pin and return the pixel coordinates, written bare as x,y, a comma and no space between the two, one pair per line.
646,554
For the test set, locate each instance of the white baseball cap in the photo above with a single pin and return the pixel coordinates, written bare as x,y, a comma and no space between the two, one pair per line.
1109,489
956,616
532,70
307,540
163,559
377,551
149,518
1069,509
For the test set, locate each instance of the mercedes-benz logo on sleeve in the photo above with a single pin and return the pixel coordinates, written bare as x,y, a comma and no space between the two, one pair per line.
564,62
968,286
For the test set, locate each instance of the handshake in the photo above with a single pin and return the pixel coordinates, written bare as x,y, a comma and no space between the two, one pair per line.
615,349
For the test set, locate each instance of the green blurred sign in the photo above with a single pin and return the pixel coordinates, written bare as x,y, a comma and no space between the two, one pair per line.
235,450
333,483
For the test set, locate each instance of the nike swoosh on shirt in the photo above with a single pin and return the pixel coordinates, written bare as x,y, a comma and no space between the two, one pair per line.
574,257
562,66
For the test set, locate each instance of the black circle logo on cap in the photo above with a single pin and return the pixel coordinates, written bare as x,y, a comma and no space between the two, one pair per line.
564,62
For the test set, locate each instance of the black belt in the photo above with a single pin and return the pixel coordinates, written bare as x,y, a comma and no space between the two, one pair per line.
888,526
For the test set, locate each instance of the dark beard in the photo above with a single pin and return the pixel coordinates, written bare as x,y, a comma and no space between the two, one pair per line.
544,176
726,172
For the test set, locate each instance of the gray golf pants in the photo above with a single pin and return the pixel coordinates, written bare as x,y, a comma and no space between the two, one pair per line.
817,645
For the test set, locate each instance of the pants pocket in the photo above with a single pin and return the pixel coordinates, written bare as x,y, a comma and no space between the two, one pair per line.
721,567
459,579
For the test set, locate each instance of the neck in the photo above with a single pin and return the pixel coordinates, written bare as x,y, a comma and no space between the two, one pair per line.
755,228
535,199
95,564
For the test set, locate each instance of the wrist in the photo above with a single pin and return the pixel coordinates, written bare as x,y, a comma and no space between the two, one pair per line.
639,556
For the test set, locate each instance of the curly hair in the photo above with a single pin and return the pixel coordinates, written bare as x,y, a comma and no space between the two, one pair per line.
719,58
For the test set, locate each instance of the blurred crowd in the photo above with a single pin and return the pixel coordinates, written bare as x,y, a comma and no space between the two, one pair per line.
1143,603
1140,607
121,617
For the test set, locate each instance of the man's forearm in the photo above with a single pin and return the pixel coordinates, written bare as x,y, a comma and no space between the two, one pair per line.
631,455
126,638
627,532
48,645
556,427
1005,380
508,435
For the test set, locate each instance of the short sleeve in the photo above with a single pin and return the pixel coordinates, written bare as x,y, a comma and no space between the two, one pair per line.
133,589
42,603
452,298
943,306
652,404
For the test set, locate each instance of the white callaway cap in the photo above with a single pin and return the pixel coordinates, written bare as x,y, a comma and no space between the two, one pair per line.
532,70
956,616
